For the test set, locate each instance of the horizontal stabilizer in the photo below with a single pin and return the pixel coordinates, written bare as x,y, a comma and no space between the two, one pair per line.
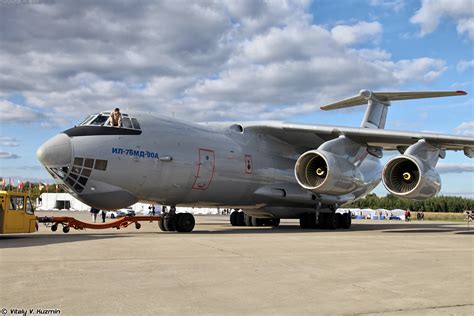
385,97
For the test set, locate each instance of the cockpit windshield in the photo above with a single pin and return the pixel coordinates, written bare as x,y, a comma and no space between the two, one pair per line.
102,119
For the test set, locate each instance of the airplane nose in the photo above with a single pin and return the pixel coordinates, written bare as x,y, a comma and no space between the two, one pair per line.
55,152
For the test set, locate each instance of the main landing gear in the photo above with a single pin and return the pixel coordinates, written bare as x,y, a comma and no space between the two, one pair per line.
241,219
330,220
180,222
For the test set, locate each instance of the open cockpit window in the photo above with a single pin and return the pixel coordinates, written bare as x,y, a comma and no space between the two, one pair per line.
102,119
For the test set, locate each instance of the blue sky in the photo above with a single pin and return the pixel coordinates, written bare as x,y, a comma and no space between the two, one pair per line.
233,61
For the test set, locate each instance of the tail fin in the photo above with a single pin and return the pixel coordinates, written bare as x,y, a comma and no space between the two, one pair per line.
378,103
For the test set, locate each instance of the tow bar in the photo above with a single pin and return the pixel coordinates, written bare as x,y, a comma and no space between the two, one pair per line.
68,222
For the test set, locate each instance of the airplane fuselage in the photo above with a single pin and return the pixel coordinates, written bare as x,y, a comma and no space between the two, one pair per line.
173,162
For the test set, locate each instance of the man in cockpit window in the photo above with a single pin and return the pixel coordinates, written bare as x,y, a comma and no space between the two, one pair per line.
115,118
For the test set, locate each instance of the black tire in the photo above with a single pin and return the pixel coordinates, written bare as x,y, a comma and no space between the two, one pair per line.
275,222
66,229
112,216
248,220
161,225
304,221
256,221
240,219
312,220
346,221
233,217
338,220
322,220
185,222
138,225
308,221
331,220
54,228
169,222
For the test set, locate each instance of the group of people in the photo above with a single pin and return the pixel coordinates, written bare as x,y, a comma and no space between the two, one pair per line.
95,212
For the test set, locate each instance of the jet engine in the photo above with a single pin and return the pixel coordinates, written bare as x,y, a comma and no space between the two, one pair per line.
326,173
412,175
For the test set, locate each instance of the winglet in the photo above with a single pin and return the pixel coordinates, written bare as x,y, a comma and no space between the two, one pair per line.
385,97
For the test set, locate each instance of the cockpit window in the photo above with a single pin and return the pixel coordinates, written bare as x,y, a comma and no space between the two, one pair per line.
135,123
126,122
101,119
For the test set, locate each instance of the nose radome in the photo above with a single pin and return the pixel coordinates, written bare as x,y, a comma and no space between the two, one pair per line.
56,152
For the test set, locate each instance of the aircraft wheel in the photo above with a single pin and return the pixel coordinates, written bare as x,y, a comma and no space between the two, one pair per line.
346,221
66,229
240,219
256,221
138,225
248,220
304,221
322,220
338,220
308,220
233,217
54,227
331,220
275,222
185,222
169,222
161,225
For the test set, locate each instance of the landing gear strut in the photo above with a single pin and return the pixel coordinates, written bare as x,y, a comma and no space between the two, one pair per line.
180,222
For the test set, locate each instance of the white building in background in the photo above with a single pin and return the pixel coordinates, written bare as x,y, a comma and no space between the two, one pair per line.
67,202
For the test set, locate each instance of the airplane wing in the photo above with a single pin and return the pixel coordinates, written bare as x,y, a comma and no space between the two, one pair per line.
304,136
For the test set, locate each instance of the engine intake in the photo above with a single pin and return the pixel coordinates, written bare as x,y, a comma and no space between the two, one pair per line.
409,177
324,172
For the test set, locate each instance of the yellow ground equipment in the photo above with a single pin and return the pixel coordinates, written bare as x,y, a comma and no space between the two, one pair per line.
17,214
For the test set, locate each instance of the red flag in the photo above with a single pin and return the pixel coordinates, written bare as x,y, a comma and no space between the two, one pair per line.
20,185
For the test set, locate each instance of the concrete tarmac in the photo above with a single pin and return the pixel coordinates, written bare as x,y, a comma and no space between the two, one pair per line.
390,268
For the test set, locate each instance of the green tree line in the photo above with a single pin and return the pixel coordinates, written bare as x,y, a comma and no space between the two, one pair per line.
455,204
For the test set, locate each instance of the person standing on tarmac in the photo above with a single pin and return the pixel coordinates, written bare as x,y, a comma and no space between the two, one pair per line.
94,212
103,216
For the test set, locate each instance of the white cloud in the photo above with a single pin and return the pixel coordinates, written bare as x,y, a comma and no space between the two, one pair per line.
7,155
202,61
466,26
420,69
357,33
463,65
432,12
465,128
455,168
8,141
395,5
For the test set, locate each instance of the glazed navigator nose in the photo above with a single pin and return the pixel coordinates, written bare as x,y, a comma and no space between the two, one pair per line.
55,152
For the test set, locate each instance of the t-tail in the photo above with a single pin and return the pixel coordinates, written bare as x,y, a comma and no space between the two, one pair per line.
378,103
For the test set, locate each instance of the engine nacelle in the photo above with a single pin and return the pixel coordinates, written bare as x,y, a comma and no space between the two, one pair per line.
326,173
409,177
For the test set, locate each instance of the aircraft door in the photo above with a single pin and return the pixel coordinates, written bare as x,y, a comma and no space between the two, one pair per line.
205,169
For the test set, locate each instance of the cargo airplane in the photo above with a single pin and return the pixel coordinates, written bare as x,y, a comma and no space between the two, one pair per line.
269,170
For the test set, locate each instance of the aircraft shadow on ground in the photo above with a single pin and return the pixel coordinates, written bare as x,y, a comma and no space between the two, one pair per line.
33,240
409,228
